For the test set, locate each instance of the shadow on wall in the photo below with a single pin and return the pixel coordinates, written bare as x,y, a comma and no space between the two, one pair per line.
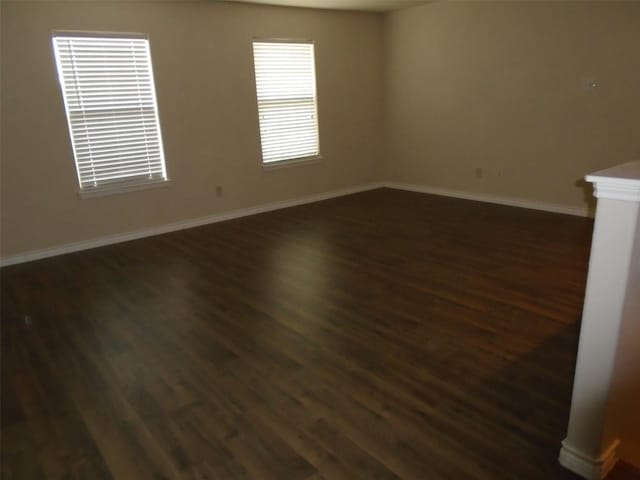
625,397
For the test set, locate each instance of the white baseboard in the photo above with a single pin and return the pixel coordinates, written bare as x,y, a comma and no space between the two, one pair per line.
483,197
586,466
182,225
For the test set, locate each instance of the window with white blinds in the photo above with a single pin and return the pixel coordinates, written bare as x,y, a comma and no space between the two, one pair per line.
109,96
287,107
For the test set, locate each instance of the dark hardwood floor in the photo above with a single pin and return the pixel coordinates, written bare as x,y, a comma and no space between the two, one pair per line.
383,335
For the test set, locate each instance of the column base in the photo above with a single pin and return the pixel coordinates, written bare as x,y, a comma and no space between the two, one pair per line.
586,466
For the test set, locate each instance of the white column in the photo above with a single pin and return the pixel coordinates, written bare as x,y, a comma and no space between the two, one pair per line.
588,450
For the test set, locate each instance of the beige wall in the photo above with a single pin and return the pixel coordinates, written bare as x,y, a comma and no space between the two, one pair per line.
204,76
499,86
452,86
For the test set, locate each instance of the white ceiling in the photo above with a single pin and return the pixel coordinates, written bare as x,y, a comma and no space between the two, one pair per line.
370,5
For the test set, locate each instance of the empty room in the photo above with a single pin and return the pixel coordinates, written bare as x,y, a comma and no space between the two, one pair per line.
320,239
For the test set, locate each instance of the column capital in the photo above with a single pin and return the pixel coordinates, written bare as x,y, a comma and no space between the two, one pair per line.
621,182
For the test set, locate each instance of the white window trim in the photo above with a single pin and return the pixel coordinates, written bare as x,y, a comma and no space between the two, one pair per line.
117,186
292,162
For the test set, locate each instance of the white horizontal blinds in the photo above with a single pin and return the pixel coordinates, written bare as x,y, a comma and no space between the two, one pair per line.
286,88
108,89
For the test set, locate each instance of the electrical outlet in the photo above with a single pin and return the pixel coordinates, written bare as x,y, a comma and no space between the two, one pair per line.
479,172
219,191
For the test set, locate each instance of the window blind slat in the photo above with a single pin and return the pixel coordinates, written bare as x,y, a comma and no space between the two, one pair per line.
108,89
119,115
114,104
287,105
108,119
132,170
105,174
106,167
115,157
115,142
128,179
97,176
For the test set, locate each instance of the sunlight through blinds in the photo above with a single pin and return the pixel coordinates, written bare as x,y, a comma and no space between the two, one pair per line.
287,107
109,95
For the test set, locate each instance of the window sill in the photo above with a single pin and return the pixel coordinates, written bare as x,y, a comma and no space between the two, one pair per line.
291,163
118,188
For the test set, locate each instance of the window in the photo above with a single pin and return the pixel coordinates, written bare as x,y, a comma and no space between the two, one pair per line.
110,101
287,107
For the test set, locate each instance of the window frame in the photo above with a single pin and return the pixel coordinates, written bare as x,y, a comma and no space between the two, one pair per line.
121,185
290,162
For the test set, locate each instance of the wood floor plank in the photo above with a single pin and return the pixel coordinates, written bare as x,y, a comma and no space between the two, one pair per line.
386,334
